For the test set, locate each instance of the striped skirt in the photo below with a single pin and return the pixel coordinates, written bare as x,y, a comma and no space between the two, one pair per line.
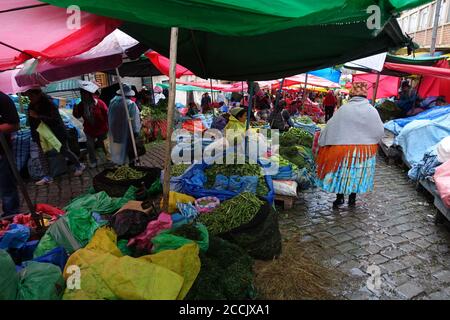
346,168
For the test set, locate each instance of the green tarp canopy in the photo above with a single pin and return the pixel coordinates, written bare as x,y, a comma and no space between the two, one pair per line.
257,40
185,88
421,61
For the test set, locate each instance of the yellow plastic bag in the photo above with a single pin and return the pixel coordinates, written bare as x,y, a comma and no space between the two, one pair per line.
47,139
183,261
107,274
175,197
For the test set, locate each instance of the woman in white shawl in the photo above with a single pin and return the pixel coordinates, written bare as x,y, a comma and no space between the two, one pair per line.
348,147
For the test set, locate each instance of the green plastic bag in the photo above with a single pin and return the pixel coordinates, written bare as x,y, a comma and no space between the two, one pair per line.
155,188
168,241
9,280
82,225
40,281
100,202
46,244
122,245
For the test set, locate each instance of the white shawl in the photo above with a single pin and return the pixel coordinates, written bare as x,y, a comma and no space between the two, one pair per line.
356,122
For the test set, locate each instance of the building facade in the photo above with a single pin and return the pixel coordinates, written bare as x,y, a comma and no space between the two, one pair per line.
418,23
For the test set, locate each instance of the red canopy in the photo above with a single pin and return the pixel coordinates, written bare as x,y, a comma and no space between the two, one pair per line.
33,29
438,72
301,79
163,64
387,86
233,87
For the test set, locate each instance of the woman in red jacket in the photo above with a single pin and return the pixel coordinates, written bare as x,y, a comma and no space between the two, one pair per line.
95,115
329,104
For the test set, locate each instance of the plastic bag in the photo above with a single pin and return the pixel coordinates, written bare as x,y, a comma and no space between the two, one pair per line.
129,223
222,182
107,274
187,210
168,241
82,225
285,187
249,184
47,139
174,198
46,244
40,281
15,237
155,188
9,280
142,242
198,178
123,247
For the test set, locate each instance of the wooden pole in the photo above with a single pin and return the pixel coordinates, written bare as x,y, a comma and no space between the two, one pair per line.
130,125
152,91
304,90
280,89
212,93
170,109
375,89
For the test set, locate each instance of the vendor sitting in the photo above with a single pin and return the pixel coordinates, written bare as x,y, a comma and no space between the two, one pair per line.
407,97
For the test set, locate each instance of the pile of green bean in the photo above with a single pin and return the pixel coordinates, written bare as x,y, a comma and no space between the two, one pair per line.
177,170
232,213
125,173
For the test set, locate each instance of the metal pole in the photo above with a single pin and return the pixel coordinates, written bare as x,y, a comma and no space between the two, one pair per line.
170,109
375,89
304,90
152,90
130,126
212,94
20,183
279,92
435,27
249,111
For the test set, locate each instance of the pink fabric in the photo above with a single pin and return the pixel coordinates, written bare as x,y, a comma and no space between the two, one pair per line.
442,180
43,32
431,86
387,87
143,241
163,64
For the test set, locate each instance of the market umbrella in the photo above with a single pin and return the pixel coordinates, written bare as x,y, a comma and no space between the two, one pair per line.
107,54
249,40
163,64
33,29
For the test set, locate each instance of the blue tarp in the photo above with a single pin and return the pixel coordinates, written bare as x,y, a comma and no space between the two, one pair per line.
328,73
397,125
418,136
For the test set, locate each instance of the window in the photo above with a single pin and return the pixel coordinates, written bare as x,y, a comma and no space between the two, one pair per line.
405,25
432,12
413,22
424,15
442,12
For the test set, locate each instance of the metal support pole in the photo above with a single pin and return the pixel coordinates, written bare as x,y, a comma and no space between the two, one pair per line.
212,93
152,91
375,89
130,125
304,90
38,219
280,89
435,27
170,110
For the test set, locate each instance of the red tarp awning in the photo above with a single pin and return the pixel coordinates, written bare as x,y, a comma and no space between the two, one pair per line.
163,64
438,72
387,87
42,31
234,87
301,79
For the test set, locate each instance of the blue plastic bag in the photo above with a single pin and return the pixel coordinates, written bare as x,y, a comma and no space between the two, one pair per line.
187,210
198,178
16,237
222,182
249,184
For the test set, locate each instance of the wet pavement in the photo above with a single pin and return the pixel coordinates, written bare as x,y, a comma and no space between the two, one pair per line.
388,245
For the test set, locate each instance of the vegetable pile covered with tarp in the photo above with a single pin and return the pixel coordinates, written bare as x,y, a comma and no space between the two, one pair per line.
108,274
178,237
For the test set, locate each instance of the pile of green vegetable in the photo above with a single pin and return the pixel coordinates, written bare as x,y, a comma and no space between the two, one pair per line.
153,113
296,137
304,119
241,170
125,173
177,170
226,273
188,231
232,213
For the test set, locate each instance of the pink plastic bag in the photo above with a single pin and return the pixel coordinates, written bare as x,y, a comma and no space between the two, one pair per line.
442,180
143,242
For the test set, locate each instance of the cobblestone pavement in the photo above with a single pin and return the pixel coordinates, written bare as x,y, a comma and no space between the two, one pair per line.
392,228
